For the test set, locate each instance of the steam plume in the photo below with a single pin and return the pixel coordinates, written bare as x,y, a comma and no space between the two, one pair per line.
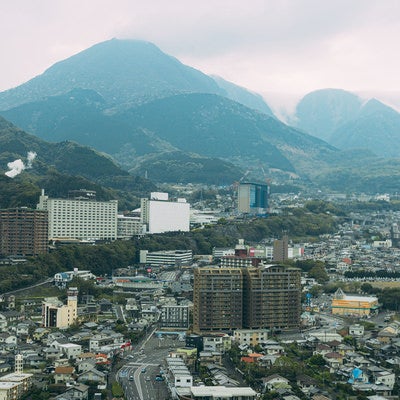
17,166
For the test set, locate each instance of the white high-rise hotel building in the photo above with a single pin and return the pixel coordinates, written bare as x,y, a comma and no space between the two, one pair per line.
161,215
80,218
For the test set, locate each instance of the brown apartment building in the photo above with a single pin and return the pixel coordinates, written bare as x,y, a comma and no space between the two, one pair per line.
267,296
23,232
271,297
217,298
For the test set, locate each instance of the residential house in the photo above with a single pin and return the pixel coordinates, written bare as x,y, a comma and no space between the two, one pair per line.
3,322
306,384
322,349
213,357
92,375
356,330
85,365
51,354
110,339
217,343
40,333
251,358
79,392
275,381
70,350
64,374
9,340
387,335
334,360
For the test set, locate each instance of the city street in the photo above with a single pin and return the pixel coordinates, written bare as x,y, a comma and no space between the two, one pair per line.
138,376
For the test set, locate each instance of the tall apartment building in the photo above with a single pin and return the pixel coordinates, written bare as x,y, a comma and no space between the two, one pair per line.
253,198
218,299
23,232
272,297
80,218
161,215
263,297
59,315
281,249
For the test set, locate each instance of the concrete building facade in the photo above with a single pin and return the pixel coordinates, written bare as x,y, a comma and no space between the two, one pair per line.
161,215
58,315
127,227
80,218
253,198
281,249
263,297
166,258
175,316
23,232
217,299
272,297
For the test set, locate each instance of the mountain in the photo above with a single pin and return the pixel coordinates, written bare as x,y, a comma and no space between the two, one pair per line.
123,73
376,127
177,166
151,113
243,96
60,167
208,125
321,112
77,115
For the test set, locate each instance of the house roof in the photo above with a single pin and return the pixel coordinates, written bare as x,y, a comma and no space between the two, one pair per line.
64,370
333,354
79,387
93,371
306,380
87,355
248,359
272,377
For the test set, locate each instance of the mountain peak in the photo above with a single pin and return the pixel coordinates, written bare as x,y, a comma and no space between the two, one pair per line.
125,73
321,112
373,106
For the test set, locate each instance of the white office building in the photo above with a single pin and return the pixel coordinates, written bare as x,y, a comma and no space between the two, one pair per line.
161,215
166,258
175,316
82,219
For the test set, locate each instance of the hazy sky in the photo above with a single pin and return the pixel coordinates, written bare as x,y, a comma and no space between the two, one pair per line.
269,46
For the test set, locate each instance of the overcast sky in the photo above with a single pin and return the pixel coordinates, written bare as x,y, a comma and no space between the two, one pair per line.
274,47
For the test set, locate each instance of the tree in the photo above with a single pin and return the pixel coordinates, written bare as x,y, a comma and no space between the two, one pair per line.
116,390
318,272
317,360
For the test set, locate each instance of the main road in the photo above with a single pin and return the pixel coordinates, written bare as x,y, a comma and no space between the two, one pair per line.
138,376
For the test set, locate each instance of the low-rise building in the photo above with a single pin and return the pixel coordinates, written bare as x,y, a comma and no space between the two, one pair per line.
55,314
353,305
252,337
166,258
175,316
222,392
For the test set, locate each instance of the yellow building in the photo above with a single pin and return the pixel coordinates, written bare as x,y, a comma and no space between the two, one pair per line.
58,315
353,305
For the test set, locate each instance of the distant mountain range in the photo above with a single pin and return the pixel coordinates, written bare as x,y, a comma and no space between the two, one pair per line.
159,118
347,122
207,125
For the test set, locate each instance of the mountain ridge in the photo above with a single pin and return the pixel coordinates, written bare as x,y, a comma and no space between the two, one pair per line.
123,72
